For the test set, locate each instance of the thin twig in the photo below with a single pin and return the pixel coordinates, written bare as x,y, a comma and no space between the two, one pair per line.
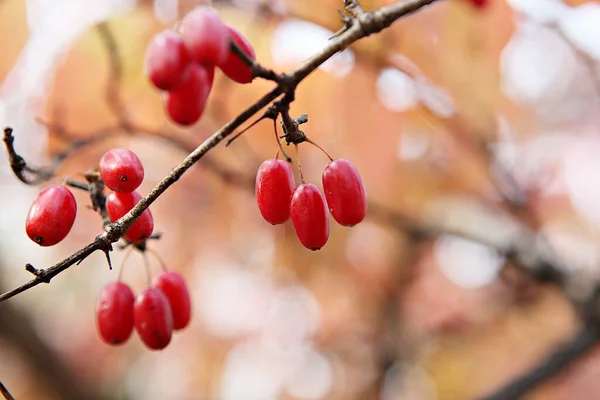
258,71
27,174
353,8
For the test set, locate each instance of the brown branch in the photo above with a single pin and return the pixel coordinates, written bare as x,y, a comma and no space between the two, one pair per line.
44,275
27,174
549,367
5,393
364,25
562,357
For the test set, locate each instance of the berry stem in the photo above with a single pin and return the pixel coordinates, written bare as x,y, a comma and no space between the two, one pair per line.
320,148
299,163
287,158
122,266
76,184
158,258
147,267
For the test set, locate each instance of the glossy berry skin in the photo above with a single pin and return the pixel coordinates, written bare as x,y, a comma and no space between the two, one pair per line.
51,215
114,313
121,170
205,36
119,204
310,217
153,318
167,60
274,187
186,105
345,192
174,288
233,66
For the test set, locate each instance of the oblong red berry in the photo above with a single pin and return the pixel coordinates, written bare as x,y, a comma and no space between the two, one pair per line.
119,204
174,288
345,192
274,187
205,36
185,105
167,60
121,170
114,313
153,318
233,66
51,215
310,217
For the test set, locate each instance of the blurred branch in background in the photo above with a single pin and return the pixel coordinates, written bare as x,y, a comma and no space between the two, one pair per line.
390,351
113,88
556,362
50,369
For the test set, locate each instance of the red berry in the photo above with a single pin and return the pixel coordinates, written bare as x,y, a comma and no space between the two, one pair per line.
153,318
310,217
174,288
114,312
121,170
274,187
205,36
233,66
479,3
345,192
51,215
119,204
167,60
186,104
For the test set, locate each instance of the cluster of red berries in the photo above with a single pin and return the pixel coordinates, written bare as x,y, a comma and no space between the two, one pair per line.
122,172
183,65
158,310
53,212
161,308
279,199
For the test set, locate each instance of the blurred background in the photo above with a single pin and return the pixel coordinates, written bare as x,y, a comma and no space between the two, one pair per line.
475,131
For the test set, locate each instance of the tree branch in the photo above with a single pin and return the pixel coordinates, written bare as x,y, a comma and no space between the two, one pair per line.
365,25
557,361
5,393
